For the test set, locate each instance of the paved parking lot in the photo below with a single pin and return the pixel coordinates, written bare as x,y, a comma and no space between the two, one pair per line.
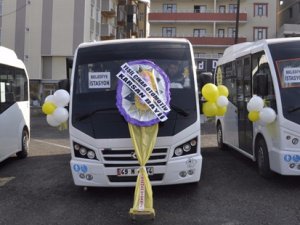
39,190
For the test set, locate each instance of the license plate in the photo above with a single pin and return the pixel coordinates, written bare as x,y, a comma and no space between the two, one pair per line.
133,171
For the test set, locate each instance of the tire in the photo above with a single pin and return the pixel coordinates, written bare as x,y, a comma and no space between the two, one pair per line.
221,145
25,145
262,158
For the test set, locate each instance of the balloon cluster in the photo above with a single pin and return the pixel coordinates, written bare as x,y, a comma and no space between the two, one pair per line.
53,107
216,97
257,111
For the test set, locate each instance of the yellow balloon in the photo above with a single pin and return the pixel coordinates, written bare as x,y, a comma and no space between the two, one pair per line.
221,111
253,116
223,90
210,92
48,108
210,109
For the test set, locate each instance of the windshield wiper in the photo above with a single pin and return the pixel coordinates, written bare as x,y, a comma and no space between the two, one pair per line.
294,109
180,110
85,116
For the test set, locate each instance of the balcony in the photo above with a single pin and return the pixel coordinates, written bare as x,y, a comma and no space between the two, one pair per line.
107,32
209,41
214,41
188,17
108,8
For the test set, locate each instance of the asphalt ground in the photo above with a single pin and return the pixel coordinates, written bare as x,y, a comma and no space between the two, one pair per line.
39,190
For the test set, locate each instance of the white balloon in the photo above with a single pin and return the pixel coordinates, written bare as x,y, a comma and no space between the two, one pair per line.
51,121
61,98
60,114
267,115
49,98
222,101
256,103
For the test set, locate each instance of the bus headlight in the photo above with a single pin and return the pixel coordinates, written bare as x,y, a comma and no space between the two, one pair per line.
178,151
187,148
83,152
91,154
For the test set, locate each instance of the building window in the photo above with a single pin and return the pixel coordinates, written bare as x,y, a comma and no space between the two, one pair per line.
169,8
92,8
169,31
232,8
199,33
200,8
222,9
260,33
231,32
221,33
1,7
291,12
260,9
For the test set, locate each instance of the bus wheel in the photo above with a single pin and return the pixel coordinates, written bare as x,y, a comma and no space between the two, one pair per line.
220,137
262,158
25,145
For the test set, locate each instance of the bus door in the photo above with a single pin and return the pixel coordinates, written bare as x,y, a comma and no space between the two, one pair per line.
244,94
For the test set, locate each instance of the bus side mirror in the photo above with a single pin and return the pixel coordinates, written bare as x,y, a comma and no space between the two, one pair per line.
204,78
64,84
262,84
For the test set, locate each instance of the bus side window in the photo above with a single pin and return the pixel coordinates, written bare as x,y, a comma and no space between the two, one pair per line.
263,85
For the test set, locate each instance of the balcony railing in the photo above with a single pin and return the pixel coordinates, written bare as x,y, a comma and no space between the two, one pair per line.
195,17
208,41
107,31
108,8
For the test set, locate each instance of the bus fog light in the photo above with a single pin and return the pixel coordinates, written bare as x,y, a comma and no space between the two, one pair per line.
77,147
183,174
187,147
193,143
190,172
89,177
178,151
295,141
82,151
292,165
81,175
91,154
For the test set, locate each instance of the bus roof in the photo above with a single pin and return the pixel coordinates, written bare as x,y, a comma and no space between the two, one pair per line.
241,49
133,40
9,57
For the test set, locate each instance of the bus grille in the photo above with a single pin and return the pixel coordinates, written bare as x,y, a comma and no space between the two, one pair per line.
115,158
155,177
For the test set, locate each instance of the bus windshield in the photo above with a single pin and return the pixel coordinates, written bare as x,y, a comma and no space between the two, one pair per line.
286,57
94,110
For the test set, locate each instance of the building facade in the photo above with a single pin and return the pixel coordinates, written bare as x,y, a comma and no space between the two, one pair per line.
46,33
288,18
210,25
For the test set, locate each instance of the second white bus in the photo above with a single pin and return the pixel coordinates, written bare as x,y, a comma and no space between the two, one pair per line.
269,69
14,106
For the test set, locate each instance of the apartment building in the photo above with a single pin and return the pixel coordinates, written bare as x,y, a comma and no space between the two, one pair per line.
210,25
288,18
46,33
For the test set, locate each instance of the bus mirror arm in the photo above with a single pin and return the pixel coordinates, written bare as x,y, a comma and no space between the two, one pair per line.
64,84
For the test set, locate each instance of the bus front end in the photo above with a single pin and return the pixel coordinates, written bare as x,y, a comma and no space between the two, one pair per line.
101,148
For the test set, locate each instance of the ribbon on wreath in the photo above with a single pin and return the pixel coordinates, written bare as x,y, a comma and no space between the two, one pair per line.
143,97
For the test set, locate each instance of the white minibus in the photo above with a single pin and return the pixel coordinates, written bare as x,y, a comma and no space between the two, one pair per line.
269,69
14,106
101,148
